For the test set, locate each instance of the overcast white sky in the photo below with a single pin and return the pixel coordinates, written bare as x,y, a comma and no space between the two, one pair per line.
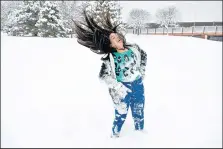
189,10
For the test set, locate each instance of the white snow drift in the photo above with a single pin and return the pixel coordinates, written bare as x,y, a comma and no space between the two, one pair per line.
52,97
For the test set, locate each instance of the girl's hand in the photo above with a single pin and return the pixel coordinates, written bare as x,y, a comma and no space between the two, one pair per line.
123,91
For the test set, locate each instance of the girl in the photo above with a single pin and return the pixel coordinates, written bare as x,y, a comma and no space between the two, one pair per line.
123,69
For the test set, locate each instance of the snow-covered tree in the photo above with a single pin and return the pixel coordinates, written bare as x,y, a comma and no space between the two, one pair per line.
68,11
167,17
50,23
79,12
138,18
21,22
11,27
98,10
6,8
85,5
36,18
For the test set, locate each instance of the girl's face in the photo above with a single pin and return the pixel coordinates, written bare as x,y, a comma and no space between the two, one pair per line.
116,41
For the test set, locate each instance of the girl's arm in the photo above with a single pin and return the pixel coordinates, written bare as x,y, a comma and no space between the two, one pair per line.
112,83
143,61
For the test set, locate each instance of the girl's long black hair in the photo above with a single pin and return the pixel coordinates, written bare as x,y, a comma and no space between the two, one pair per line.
96,38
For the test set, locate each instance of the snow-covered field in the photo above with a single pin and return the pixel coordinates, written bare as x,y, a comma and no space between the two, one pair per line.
51,95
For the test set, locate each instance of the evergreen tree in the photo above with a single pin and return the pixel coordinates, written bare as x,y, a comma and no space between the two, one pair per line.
50,23
6,8
85,5
99,9
68,12
21,22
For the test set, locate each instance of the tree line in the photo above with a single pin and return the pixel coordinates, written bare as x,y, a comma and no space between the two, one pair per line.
56,18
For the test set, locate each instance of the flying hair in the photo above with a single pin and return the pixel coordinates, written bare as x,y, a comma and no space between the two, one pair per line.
96,37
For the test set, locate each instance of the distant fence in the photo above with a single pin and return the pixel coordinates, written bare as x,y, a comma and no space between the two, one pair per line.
216,30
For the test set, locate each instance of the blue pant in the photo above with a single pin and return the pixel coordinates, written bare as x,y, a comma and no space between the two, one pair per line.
135,100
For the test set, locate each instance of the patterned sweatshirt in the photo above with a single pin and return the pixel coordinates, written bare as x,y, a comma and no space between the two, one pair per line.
108,72
125,66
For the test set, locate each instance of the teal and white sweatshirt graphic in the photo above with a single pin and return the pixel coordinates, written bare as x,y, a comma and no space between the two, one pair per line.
125,66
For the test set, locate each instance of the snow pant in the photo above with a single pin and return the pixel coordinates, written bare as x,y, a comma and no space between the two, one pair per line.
135,100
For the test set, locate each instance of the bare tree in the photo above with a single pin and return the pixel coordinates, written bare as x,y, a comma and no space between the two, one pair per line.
138,18
167,17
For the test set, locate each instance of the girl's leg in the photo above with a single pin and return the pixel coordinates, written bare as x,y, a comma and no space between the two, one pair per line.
119,116
118,122
137,104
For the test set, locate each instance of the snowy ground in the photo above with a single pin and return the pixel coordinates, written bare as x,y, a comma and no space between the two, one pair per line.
51,95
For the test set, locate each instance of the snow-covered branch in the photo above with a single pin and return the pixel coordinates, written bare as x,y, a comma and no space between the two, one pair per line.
138,18
167,17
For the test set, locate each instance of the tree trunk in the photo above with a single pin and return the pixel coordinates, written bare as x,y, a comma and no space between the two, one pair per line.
204,30
167,31
216,29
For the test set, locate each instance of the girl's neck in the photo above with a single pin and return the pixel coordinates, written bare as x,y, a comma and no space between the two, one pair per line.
120,51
